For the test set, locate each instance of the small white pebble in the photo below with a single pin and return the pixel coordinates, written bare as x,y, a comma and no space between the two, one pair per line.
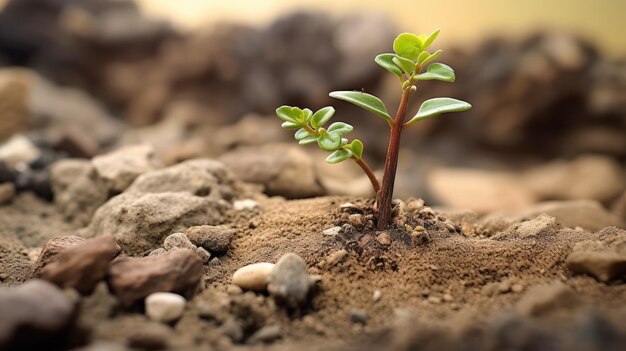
246,204
377,295
204,255
164,306
178,241
253,276
332,231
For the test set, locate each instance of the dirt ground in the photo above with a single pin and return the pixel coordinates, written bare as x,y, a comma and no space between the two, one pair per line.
453,289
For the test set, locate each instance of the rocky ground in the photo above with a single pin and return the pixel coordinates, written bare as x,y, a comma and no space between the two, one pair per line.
149,200
188,257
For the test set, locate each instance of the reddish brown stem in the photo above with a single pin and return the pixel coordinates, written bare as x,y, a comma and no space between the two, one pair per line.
391,164
370,174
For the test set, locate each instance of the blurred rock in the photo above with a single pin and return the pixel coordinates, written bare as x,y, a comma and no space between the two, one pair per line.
119,169
590,177
132,279
7,192
605,259
619,207
17,150
15,85
35,315
542,300
480,191
201,177
289,281
586,214
543,225
78,189
284,170
165,307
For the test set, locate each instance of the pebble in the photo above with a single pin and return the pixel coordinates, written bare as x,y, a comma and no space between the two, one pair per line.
266,334
234,290
289,281
214,238
358,317
254,276
18,149
517,288
336,258
448,298
356,220
245,205
178,241
204,255
165,307
33,255
377,295
434,300
332,231
7,193
384,239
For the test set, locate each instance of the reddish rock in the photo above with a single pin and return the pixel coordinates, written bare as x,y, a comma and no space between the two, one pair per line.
82,266
133,278
52,249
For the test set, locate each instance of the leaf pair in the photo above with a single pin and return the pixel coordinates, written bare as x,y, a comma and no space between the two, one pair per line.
354,149
410,46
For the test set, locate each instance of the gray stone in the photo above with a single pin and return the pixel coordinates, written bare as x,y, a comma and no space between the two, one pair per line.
586,214
201,177
543,300
605,259
32,314
140,222
178,241
119,168
289,281
78,190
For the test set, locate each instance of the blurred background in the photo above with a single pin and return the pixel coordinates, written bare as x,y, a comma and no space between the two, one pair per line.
547,80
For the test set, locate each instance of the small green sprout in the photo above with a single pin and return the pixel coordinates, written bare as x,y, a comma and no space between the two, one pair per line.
411,63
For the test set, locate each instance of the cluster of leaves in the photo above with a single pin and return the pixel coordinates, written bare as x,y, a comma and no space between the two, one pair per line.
310,129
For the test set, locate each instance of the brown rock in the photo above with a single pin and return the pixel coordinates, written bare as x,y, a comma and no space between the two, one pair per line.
216,239
81,267
132,279
33,314
52,249
540,226
604,259
7,192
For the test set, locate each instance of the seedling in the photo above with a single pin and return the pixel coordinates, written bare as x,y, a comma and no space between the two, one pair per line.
411,63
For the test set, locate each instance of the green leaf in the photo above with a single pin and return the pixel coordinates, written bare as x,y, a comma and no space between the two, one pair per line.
344,141
437,106
431,57
386,61
430,40
306,116
407,65
290,125
357,148
423,55
308,140
407,45
322,116
329,141
341,128
438,71
339,155
289,114
301,134
364,100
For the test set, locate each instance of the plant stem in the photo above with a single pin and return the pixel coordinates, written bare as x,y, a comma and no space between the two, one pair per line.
370,174
385,195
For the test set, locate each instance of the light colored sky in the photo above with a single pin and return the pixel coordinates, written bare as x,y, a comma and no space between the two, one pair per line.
602,21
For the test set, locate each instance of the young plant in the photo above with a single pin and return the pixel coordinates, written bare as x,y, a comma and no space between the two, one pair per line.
411,63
